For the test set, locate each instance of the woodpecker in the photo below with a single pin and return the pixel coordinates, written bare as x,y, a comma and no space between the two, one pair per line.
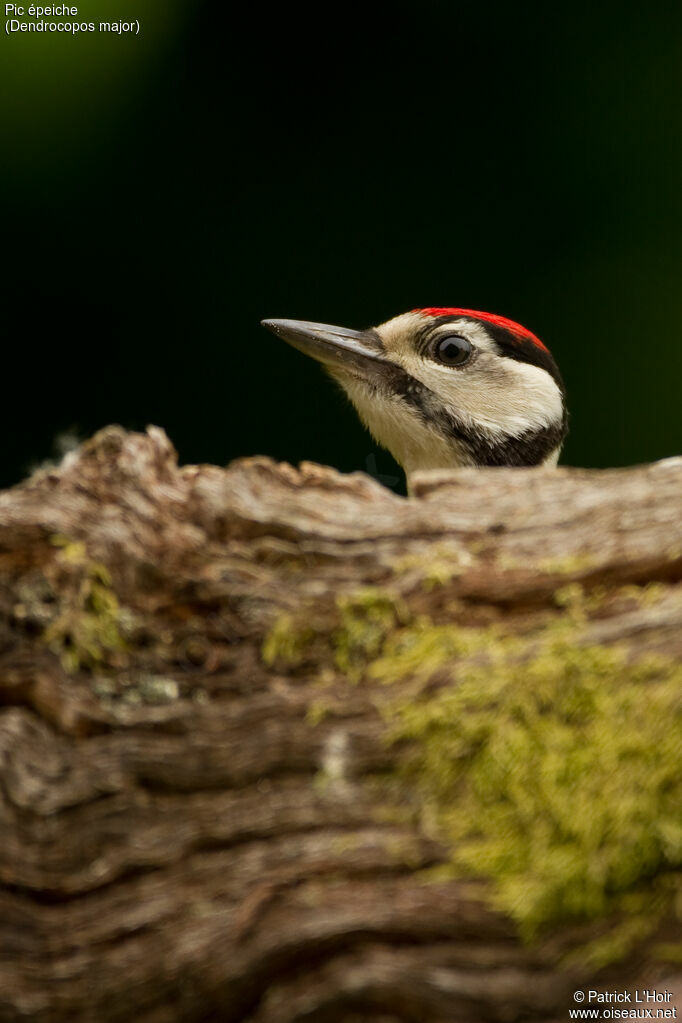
445,387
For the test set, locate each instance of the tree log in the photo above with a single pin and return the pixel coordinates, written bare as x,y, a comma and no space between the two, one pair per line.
213,795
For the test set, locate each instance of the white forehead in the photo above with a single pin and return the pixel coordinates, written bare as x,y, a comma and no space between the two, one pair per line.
398,334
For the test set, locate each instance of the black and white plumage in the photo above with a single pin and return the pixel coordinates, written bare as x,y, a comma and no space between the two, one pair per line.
445,387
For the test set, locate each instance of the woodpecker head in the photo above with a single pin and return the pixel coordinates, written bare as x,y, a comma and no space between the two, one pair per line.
442,388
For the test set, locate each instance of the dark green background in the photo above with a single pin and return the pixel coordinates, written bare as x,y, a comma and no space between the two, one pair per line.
162,194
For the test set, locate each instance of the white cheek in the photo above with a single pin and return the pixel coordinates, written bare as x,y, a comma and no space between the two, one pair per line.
494,393
397,427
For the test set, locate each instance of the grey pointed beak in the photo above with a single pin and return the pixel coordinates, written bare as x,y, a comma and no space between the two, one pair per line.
335,347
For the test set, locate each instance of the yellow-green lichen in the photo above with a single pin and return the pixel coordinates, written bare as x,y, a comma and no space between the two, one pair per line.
367,618
550,767
568,564
580,603
557,774
423,648
668,952
442,564
643,596
318,711
356,632
286,643
86,628
629,931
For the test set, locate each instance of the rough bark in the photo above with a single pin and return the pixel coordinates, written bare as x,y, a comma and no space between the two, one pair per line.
168,850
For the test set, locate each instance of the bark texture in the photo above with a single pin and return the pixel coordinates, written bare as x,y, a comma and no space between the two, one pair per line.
185,834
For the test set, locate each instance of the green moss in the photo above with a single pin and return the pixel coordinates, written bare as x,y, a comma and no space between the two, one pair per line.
568,564
643,596
440,566
318,711
557,772
355,634
668,952
550,768
367,618
619,940
562,564
286,643
85,631
423,648
579,604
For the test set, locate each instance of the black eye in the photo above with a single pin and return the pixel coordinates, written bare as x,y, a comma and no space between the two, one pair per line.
453,350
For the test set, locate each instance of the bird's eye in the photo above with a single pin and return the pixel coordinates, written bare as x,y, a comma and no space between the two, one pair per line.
453,350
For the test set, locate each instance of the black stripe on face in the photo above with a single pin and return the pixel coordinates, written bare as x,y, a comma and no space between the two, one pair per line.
413,392
528,449
523,350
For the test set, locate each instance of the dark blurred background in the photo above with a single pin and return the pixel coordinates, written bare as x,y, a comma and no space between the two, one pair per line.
163,193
